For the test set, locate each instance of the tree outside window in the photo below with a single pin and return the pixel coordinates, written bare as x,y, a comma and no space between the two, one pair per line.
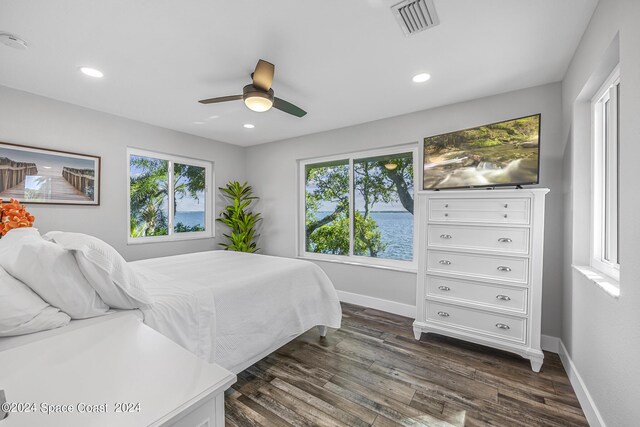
376,198
155,184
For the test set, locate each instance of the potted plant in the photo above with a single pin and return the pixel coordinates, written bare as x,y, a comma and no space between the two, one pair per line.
238,216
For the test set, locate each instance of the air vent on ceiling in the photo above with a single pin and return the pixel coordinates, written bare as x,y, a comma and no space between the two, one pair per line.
415,15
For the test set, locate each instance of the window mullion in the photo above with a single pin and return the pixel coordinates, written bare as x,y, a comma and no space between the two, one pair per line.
351,207
613,174
170,198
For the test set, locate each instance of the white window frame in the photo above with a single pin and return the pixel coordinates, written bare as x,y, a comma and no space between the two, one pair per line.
209,204
360,260
605,146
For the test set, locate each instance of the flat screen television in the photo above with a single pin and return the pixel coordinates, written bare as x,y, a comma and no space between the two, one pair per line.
499,154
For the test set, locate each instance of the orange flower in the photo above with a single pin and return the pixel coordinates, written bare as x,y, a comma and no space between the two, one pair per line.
14,215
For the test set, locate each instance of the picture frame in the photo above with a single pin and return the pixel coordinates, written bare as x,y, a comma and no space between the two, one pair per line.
43,176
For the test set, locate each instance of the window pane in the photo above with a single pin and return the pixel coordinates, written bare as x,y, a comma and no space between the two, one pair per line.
607,182
149,201
189,198
383,207
617,174
327,208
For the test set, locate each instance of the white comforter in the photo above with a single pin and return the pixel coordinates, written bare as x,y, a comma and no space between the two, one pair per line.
229,307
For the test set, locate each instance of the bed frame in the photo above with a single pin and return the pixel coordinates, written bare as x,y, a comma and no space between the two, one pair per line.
244,365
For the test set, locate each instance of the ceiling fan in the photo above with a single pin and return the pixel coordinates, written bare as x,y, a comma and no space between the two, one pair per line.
258,96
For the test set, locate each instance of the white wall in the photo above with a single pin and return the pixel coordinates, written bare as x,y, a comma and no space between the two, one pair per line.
29,119
272,170
602,334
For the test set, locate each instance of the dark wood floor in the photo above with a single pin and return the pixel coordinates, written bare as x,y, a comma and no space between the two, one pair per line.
372,372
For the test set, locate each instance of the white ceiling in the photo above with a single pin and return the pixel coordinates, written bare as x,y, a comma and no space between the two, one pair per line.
345,62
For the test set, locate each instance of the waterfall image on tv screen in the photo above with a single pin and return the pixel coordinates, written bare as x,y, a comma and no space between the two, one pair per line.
499,154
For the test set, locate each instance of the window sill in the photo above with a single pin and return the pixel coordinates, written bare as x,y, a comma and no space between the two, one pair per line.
150,240
400,268
609,285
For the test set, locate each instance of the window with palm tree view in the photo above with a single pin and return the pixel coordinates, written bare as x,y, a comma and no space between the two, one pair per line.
168,197
360,206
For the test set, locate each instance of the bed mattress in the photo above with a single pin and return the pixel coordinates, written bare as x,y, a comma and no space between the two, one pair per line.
229,307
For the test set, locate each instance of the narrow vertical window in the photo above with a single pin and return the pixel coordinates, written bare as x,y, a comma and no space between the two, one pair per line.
606,178
383,206
327,208
189,198
148,196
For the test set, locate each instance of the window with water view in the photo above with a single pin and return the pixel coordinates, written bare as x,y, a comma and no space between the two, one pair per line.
360,206
168,197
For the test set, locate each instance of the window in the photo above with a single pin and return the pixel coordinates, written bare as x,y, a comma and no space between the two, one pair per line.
359,208
606,178
169,197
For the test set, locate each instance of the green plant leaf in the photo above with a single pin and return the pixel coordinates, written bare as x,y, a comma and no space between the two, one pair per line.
237,215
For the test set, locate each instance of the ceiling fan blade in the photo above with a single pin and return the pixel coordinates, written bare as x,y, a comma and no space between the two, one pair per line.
288,107
263,75
220,99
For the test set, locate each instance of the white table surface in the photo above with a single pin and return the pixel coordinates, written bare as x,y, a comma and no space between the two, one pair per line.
118,360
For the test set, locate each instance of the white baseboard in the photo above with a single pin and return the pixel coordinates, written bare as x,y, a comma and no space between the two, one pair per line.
550,343
379,304
588,405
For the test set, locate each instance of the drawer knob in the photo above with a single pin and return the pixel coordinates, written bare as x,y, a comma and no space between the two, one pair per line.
447,205
445,236
506,205
503,298
444,262
446,214
502,326
505,240
443,314
505,215
503,268
444,288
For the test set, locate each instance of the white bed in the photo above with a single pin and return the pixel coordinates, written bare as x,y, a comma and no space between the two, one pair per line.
235,308
226,307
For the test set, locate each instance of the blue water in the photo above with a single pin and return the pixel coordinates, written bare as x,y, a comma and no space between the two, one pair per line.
190,219
397,233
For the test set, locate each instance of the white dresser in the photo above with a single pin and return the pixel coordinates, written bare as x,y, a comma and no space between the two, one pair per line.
110,371
480,268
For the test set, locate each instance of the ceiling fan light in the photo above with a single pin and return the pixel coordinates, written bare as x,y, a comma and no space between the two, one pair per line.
258,103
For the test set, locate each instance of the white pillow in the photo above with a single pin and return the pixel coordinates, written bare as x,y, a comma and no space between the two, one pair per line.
51,272
105,269
24,312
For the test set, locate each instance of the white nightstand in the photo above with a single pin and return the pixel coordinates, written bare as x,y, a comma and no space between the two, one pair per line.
117,362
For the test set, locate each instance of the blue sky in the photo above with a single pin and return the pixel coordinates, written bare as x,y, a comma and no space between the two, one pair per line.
47,164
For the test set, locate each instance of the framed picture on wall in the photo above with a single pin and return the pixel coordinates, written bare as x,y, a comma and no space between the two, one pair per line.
36,175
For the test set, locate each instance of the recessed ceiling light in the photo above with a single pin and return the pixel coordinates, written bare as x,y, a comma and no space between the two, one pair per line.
248,126
198,123
421,78
47,167
92,72
213,117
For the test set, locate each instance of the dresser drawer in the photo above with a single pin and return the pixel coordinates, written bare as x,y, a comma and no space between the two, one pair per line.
487,267
500,211
484,295
498,239
495,325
